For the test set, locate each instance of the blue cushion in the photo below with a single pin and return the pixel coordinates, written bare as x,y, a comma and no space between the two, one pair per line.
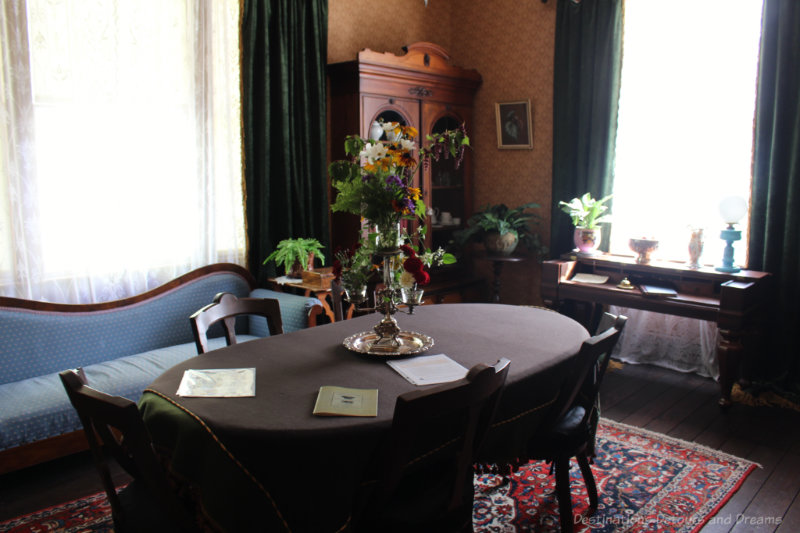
294,311
34,343
38,408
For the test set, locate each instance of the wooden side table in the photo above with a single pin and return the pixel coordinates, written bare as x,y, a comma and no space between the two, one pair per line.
320,292
497,266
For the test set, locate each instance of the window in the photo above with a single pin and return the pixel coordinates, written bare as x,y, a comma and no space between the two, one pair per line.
685,132
120,159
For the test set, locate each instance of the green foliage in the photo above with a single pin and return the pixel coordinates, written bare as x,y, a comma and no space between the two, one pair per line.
504,220
451,141
291,250
586,212
376,179
354,266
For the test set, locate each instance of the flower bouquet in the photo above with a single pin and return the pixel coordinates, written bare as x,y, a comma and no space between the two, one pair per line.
376,181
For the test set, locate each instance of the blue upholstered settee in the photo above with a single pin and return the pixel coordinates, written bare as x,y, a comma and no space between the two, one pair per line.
123,346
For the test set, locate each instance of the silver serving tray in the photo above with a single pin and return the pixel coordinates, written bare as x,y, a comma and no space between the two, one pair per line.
411,343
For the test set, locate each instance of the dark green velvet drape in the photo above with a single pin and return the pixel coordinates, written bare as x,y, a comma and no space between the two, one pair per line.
775,205
588,52
284,52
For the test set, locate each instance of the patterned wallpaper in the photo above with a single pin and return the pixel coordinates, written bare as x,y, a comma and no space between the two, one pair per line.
511,44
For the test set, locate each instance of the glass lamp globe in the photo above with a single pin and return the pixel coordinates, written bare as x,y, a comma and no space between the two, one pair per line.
732,209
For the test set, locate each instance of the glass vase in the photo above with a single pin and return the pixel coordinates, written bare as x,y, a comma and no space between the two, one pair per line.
354,292
695,248
387,236
411,296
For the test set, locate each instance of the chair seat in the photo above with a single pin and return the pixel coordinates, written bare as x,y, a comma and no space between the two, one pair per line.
568,436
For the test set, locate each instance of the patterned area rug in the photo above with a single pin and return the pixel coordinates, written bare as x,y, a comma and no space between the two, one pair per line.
90,514
646,481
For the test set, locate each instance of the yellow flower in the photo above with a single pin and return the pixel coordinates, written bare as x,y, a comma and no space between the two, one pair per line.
385,163
414,192
406,160
409,132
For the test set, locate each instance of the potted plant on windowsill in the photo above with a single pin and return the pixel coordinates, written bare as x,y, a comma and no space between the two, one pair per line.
501,229
296,255
586,213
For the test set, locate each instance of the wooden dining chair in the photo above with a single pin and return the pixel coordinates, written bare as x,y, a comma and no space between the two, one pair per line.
426,474
571,432
337,301
225,308
115,431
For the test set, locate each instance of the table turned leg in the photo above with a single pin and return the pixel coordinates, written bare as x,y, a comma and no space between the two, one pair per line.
729,353
498,269
326,304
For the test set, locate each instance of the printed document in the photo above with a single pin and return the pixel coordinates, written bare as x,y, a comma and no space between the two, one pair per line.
429,369
218,383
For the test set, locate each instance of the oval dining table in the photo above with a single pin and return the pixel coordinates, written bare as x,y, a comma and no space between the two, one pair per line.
266,463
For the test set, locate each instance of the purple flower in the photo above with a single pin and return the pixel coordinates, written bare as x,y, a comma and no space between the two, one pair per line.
393,181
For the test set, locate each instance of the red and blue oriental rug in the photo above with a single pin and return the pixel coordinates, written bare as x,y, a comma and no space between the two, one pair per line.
646,481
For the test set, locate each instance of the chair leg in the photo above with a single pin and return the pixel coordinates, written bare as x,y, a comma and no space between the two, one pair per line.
563,494
588,477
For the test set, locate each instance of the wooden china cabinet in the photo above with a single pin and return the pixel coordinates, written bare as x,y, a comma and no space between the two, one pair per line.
420,89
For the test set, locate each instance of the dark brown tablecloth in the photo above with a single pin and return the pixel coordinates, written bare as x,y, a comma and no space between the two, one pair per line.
308,466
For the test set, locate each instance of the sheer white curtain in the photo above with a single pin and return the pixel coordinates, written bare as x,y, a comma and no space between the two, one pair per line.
684,142
120,151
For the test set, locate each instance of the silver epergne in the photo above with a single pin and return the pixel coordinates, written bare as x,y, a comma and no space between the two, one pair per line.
387,339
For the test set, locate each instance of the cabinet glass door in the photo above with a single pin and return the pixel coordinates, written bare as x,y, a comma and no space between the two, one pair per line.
447,191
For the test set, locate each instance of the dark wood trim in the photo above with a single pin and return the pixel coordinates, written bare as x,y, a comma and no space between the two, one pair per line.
41,451
313,314
20,303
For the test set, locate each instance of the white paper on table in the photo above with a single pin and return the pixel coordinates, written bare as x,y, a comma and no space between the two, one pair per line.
218,383
583,277
283,280
429,369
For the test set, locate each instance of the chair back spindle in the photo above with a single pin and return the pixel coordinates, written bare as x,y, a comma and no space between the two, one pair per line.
224,310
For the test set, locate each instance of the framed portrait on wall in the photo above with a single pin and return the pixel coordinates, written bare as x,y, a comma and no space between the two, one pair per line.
514,125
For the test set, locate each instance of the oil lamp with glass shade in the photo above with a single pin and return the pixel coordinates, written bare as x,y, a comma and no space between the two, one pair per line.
732,209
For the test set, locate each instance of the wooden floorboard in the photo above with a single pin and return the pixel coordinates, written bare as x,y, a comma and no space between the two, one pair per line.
679,405
726,519
791,521
766,510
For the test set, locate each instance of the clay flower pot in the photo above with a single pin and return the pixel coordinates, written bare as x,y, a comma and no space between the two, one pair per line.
297,267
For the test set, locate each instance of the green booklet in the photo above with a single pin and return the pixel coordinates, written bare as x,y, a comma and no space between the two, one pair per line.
342,401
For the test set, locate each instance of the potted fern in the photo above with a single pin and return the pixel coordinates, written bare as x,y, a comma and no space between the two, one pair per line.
296,255
501,229
586,213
